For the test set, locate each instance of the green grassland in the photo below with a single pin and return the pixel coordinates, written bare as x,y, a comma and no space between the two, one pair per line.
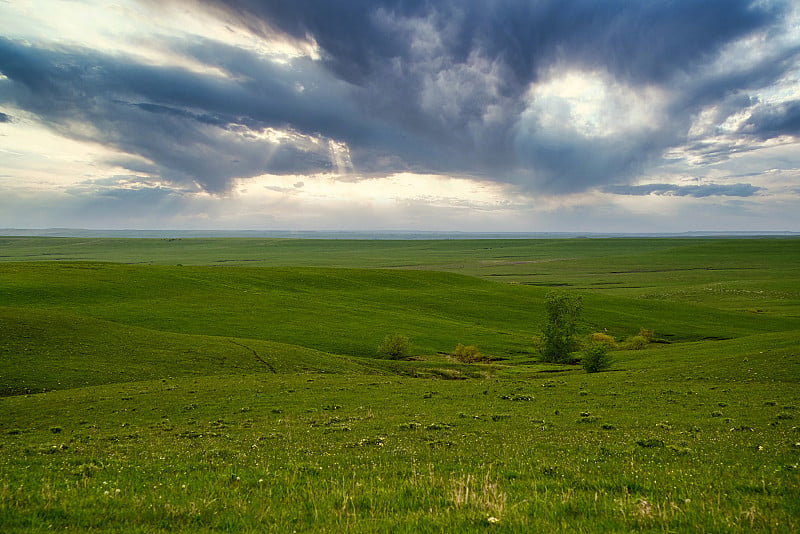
152,385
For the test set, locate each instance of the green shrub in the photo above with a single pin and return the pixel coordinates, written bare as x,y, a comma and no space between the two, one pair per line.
638,341
605,339
468,354
595,357
394,347
635,343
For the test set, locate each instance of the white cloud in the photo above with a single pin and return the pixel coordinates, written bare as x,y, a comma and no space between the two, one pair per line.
142,29
65,160
592,104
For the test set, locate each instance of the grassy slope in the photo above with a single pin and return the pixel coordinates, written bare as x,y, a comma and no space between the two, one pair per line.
135,315
47,350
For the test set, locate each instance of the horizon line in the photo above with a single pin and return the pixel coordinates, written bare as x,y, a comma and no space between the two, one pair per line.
370,234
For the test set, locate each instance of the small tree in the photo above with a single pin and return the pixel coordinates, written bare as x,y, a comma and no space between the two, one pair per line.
394,347
558,337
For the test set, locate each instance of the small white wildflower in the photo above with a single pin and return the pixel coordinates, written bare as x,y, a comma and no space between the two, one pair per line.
105,492
117,490
260,480
492,520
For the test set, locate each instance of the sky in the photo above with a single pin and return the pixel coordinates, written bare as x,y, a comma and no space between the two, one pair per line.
449,115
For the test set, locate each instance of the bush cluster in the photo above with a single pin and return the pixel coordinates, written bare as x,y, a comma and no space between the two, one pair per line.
394,347
639,341
558,340
468,354
603,338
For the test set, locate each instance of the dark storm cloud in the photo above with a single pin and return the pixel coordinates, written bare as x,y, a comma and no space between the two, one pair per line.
5,117
774,120
697,191
380,48
406,85
570,163
645,41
